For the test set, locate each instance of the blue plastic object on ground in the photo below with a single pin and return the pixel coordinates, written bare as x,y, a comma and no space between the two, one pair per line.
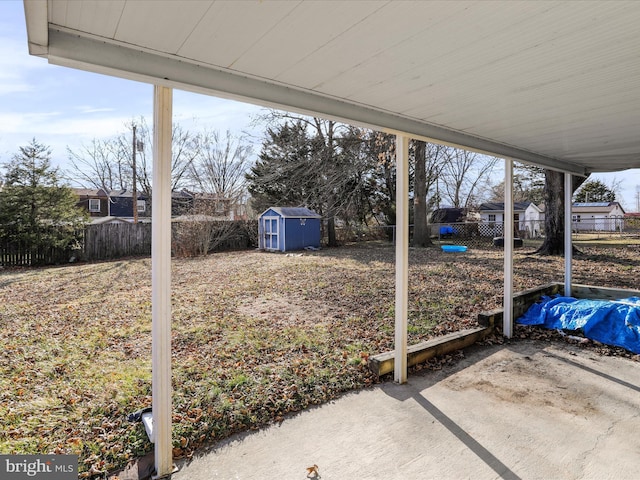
612,322
453,248
447,231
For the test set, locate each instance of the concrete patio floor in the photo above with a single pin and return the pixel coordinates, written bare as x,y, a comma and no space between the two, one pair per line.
525,410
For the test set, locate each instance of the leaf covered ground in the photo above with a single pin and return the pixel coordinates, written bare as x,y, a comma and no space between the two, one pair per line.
255,336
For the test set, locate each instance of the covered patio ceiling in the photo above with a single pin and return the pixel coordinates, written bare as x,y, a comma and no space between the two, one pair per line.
551,83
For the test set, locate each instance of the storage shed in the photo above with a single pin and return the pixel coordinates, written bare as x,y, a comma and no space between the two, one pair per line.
288,228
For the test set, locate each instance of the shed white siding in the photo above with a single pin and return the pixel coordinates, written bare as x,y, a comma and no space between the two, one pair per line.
597,217
527,218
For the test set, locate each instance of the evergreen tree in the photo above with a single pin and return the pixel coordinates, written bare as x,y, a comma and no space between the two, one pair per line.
320,164
36,210
594,191
284,173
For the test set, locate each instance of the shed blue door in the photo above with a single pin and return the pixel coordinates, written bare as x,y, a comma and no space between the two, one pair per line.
270,227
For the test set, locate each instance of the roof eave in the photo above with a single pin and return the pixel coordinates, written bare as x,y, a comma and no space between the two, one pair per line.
36,18
77,50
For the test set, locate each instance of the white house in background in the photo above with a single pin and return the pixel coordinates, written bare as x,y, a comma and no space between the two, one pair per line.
527,216
597,216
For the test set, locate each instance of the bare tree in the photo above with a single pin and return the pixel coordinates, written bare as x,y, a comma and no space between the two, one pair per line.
528,185
326,147
464,174
357,185
382,149
108,164
184,148
220,166
98,165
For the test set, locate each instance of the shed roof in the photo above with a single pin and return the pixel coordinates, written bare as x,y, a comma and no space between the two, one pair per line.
594,204
448,215
294,212
549,83
499,206
595,207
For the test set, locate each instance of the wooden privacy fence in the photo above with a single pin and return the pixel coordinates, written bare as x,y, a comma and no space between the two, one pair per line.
20,253
114,240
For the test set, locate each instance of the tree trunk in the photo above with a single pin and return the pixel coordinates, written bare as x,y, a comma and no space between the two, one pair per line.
332,240
421,237
331,232
554,211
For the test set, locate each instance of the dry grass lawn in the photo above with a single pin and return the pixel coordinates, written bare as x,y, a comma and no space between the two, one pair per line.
255,336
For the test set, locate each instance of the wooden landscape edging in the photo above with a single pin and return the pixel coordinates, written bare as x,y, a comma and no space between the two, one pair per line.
521,303
383,363
601,293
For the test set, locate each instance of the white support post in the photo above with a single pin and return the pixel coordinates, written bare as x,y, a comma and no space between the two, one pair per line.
161,280
568,244
402,257
507,235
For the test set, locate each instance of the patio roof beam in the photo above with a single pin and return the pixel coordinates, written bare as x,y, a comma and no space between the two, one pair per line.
402,258
568,244
161,280
507,237
73,49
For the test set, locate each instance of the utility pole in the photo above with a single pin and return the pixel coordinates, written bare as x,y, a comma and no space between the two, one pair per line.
135,188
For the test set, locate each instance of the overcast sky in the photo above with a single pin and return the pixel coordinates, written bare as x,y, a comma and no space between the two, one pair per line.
62,107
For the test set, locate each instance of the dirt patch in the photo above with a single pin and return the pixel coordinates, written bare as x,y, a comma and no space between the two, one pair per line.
283,312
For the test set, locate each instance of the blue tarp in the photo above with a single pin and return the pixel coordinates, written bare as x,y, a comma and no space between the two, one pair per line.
612,322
